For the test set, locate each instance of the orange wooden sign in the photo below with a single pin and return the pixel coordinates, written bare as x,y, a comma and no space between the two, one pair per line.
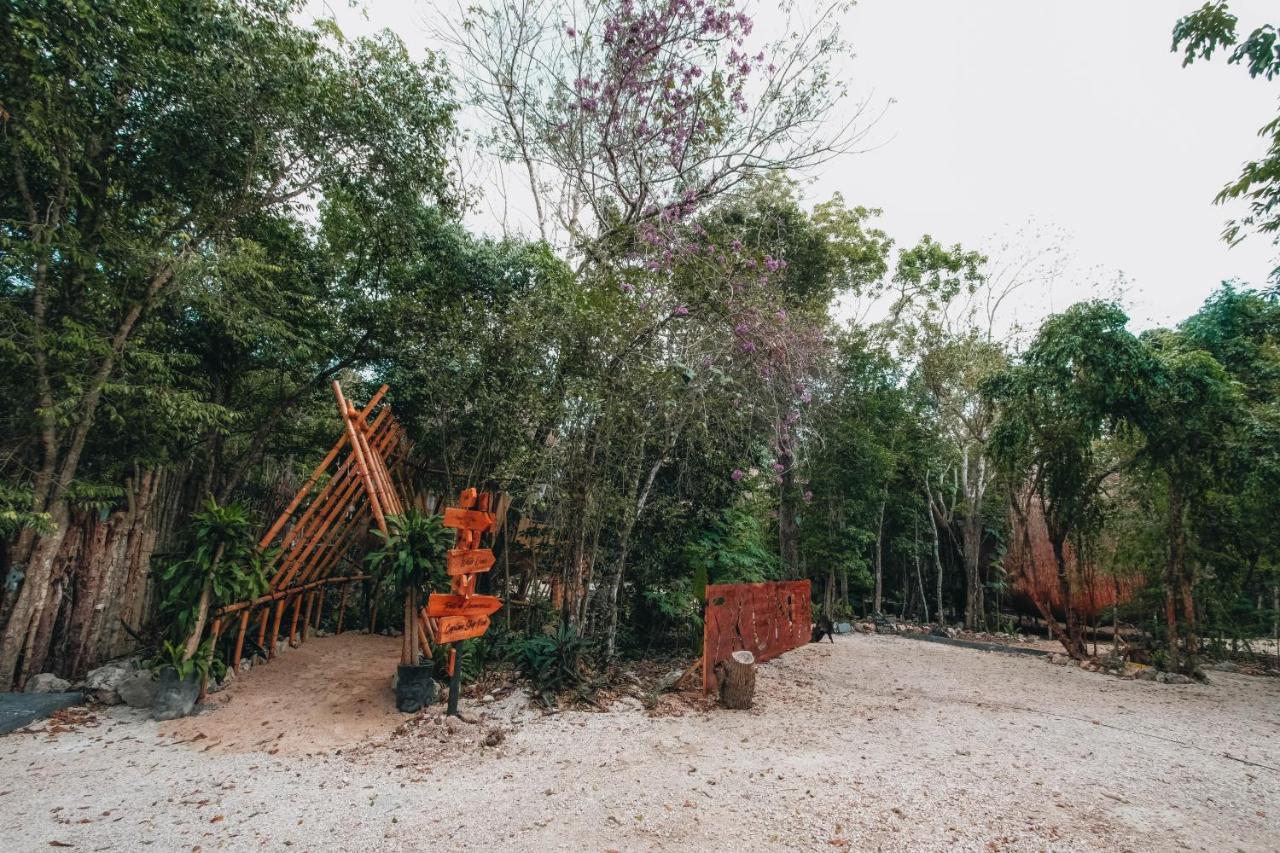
439,605
467,561
452,628
468,519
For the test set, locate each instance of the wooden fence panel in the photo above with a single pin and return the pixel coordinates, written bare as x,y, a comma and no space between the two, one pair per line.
766,619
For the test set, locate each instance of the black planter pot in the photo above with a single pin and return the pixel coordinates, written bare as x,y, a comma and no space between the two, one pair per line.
415,688
175,697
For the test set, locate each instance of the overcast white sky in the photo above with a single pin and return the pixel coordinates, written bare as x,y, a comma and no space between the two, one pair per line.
1073,121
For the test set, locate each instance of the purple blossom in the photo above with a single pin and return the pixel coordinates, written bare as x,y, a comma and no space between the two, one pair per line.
778,467
627,288
681,311
748,346
570,32
808,496
737,475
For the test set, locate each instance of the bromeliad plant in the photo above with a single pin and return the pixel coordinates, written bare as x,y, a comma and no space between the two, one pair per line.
225,566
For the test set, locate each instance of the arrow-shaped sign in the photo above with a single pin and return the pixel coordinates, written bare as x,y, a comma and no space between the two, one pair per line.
439,605
468,519
468,561
452,628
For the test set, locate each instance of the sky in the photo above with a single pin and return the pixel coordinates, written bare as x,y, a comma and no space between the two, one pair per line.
1060,137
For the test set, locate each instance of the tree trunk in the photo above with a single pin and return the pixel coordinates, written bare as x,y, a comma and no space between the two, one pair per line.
974,607
24,620
1173,579
1074,635
879,596
738,680
202,609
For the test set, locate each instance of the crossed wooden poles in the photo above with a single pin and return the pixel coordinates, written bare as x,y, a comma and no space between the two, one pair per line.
369,459
367,485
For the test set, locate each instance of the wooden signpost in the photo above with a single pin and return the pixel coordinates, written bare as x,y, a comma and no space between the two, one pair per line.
462,614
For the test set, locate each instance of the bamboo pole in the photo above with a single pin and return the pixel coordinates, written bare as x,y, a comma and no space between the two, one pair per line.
342,606
361,462
336,495
275,628
319,609
306,619
293,624
244,626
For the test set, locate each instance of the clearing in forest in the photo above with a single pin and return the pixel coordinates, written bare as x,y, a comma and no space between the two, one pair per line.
871,743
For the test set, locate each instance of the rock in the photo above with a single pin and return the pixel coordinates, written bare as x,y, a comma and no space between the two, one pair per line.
1148,674
103,683
47,682
493,737
488,697
138,689
942,631
246,664
1223,666
175,698
1059,659
1172,678
319,632
865,628
843,628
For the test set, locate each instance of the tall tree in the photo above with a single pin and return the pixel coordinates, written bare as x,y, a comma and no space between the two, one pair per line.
139,137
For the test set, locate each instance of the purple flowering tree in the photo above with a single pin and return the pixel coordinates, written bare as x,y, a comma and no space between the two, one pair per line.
621,112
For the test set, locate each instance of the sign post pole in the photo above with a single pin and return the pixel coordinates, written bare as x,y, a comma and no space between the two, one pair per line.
463,614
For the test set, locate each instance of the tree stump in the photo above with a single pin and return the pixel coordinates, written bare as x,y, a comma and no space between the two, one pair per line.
738,680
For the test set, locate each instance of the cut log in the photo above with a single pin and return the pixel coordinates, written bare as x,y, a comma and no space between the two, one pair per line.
738,680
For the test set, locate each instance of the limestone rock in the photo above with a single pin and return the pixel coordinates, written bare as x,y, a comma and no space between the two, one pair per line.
137,689
47,682
103,683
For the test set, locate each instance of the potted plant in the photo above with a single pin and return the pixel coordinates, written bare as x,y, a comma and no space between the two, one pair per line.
225,567
412,559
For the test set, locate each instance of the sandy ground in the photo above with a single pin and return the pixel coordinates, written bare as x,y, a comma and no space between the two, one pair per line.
873,743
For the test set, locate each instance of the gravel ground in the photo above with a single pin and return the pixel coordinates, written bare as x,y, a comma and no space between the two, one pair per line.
873,743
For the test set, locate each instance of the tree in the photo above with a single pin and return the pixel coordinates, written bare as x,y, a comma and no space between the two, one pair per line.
1192,409
186,121
1199,35
1084,377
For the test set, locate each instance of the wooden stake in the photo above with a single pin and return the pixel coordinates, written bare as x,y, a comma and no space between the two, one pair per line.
342,605
244,626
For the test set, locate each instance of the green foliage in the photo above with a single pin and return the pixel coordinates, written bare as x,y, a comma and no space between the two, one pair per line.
225,558
1199,35
733,550
173,655
553,663
412,553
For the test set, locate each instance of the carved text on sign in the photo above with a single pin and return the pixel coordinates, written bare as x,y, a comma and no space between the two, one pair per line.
468,561
453,628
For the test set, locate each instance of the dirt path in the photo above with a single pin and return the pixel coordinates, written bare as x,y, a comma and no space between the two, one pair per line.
873,743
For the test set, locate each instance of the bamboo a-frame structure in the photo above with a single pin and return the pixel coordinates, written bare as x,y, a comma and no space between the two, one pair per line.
364,478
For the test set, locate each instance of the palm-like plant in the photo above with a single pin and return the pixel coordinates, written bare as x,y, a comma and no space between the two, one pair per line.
412,556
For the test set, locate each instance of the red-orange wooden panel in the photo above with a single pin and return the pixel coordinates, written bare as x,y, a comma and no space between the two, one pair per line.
765,619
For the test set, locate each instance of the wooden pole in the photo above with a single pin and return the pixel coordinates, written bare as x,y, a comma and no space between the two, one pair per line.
244,626
348,415
342,606
455,677
306,619
293,624
319,609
